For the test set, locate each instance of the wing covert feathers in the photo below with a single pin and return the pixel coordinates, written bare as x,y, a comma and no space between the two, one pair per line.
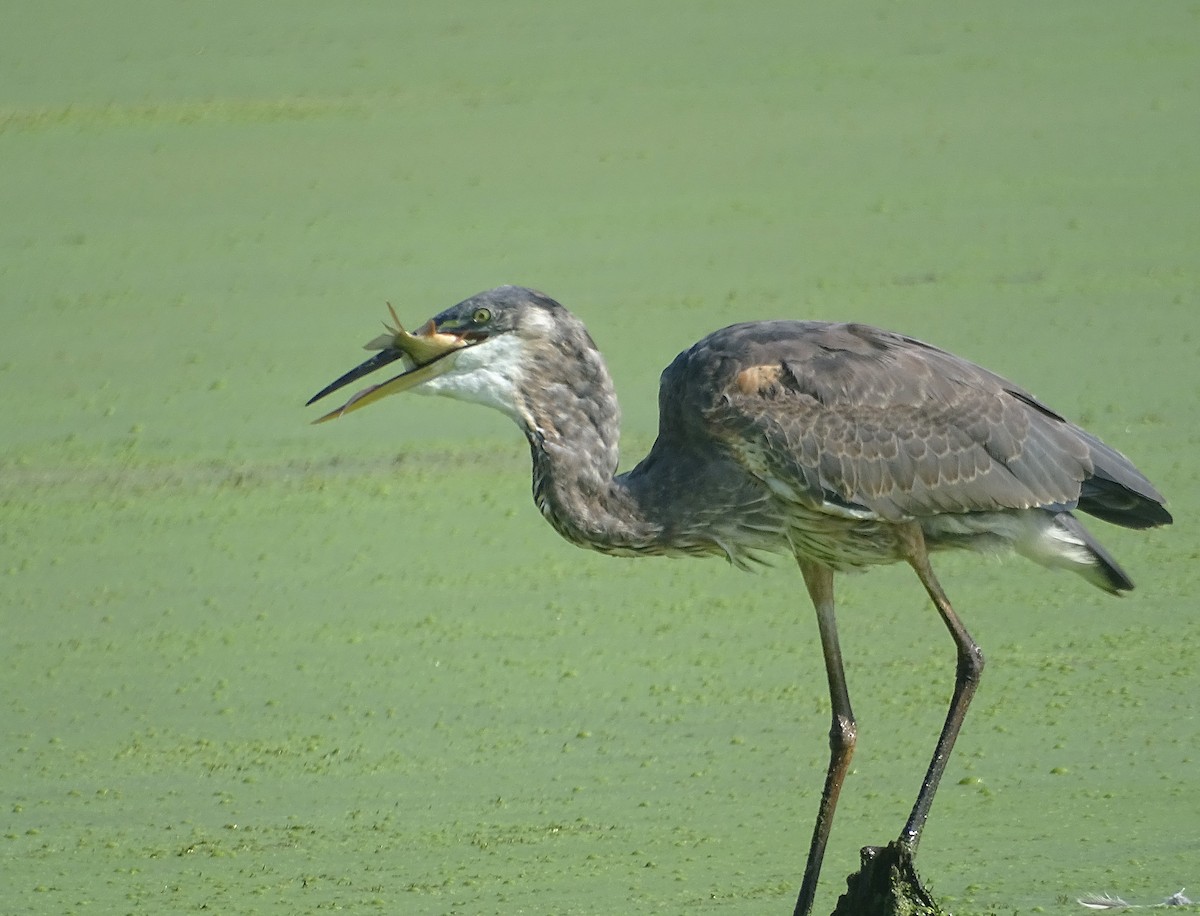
854,416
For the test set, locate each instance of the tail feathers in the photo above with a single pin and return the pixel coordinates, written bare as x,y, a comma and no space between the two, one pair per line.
1115,503
1063,543
1118,492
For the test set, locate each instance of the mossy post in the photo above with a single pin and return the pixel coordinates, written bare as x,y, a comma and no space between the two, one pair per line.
886,885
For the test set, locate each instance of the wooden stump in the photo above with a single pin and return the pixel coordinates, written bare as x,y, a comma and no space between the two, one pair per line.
886,885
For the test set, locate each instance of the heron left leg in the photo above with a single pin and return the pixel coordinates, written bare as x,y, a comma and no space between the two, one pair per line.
842,731
966,680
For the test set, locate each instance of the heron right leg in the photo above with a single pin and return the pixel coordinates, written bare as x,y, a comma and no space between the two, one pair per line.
966,680
842,733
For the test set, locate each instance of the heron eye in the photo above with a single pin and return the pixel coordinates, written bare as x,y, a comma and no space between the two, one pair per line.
482,316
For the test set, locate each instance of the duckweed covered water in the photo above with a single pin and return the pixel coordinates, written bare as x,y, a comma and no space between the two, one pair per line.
254,666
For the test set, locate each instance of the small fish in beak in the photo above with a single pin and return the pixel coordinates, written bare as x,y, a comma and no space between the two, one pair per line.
422,354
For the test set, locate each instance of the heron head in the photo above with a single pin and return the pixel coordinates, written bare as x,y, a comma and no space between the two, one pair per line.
473,351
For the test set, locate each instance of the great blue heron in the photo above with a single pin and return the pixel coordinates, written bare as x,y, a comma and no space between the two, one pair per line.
840,444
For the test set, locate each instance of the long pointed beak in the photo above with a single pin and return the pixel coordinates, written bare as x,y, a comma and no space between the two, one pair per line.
423,354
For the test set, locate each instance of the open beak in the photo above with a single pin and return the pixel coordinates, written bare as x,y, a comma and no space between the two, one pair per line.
422,354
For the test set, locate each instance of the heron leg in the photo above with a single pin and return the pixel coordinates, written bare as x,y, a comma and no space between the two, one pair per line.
966,680
842,733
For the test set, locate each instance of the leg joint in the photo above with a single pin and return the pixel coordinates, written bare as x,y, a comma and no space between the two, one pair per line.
970,663
843,734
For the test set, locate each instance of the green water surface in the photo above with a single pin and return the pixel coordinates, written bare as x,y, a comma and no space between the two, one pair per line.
253,666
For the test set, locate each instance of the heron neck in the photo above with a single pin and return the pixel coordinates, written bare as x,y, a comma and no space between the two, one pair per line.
574,433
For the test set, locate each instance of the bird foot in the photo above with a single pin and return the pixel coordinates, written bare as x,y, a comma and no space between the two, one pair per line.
886,885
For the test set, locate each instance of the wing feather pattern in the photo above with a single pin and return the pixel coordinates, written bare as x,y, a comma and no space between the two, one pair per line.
850,416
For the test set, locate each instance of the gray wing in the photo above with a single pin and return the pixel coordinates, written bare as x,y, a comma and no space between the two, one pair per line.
853,418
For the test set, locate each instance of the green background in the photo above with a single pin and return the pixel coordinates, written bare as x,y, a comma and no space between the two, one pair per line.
252,665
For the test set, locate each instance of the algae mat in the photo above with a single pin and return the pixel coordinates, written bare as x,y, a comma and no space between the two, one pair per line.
253,666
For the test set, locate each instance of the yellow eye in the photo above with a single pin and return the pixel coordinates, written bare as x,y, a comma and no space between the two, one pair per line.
482,316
